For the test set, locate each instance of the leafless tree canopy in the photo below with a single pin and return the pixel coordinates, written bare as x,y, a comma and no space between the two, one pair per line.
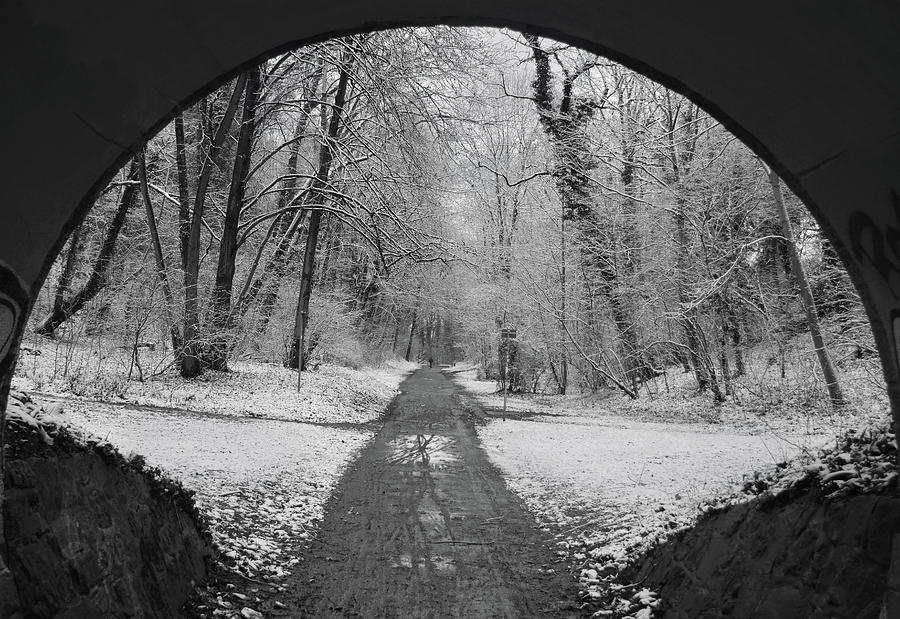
415,192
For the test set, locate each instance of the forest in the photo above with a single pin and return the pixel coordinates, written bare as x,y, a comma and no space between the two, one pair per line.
464,195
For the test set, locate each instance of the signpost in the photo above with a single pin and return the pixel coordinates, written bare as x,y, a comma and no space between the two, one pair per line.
507,335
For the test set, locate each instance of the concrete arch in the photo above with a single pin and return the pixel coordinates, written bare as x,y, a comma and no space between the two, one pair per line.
811,85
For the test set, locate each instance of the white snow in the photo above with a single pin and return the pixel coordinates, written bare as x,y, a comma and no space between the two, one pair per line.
612,465
330,394
607,483
262,462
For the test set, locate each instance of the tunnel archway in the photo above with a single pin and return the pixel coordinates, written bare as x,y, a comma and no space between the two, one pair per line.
91,85
90,102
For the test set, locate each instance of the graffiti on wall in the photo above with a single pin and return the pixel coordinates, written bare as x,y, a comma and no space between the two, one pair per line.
879,247
13,310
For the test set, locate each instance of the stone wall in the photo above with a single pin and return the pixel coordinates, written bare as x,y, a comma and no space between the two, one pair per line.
792,555
90,535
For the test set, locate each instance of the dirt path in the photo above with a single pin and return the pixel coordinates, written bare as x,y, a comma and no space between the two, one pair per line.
422,525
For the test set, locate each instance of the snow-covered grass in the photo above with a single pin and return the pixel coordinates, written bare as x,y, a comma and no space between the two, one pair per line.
262,483
763,402
605,480
569,467
763,397
99,370
262,458
597,469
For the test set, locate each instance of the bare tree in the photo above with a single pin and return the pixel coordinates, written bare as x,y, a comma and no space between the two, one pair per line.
564,122
64,308
220,314
190,358
298,355
158,256
835,393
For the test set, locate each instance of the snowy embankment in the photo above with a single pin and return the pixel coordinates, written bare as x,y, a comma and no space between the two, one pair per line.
331,394
607,483
262,458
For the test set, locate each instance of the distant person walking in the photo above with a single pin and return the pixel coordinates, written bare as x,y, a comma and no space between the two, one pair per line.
430,362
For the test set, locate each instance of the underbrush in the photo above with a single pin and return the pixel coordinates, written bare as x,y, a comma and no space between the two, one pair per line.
101,369
772,393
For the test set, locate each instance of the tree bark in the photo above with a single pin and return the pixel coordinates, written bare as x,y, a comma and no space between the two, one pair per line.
184,206
190,359
563,378
563,124
835,394
98,277
285,225
409,341
326,157
169,299
298,355
217,354
68,271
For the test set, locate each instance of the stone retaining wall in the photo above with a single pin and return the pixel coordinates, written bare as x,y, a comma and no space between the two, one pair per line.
795,555
87,537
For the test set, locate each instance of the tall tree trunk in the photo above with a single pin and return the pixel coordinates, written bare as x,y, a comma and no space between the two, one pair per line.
217,354
563,380
68,271
326,157
98,277
564,125
638,368
732,327
396,337
297,357
409,341
190,359
184,199
285,225
169,299
688,316
835,394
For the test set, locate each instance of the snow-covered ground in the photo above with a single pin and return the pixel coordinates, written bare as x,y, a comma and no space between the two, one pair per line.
572,468
262,458
261,482
331,394
606,480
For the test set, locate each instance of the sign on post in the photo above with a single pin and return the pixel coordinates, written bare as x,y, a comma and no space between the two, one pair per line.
506,333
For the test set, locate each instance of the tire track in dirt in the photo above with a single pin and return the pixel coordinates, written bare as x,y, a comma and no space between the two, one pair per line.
422,525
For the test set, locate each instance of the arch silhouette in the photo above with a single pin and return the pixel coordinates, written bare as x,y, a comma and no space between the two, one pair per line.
810,85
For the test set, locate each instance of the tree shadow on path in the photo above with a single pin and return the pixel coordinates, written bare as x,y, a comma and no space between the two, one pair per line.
422,525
